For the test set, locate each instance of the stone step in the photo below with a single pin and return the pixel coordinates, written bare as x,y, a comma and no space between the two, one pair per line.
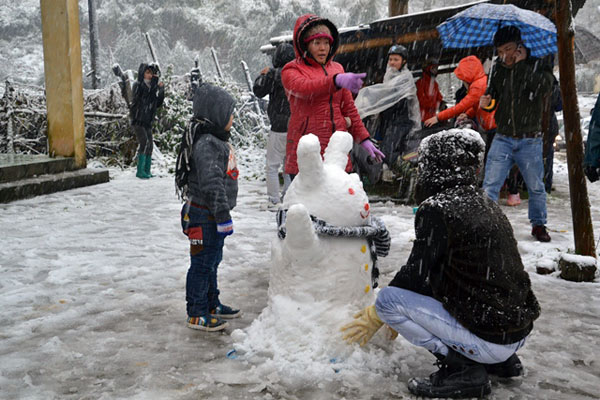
51,183
15,167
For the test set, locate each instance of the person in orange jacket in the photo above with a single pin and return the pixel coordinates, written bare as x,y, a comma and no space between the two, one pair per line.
428,90
470,71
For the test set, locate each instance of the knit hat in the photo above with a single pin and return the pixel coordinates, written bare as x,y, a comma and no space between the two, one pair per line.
448,159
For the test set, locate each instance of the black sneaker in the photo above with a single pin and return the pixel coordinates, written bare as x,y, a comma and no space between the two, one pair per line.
540,233
225,312
507,369
207,324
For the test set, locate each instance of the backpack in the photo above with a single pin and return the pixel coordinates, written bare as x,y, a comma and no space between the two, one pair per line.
184,155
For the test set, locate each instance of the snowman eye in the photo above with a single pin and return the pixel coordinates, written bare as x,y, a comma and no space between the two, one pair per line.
351,191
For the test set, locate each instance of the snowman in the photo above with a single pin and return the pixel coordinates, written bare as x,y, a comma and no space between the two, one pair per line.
322,262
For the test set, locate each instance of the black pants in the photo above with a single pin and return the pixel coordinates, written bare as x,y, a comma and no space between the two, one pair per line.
144,137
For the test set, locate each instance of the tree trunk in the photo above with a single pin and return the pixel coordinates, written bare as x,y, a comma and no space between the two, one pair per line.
93,43
397,7
580,204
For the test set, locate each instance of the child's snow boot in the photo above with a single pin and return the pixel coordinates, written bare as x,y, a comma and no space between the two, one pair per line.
506,369
141,166
225,312
457,377
147,165
207,324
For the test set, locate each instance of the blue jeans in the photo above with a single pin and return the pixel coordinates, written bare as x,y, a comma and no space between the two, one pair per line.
527,154
201,291
423,321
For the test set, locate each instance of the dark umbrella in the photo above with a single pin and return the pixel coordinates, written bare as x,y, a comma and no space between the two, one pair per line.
476,26
587,46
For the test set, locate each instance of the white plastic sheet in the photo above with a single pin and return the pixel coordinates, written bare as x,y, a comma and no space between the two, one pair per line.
397,85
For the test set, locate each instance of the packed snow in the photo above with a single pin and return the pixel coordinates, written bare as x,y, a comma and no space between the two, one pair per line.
92,291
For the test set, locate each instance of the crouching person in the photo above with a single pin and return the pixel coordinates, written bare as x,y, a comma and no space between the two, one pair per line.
463,293
206,176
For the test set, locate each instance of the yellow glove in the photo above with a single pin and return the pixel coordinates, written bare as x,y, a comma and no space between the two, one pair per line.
366,323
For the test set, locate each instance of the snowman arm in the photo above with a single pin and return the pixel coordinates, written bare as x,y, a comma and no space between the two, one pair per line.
300,232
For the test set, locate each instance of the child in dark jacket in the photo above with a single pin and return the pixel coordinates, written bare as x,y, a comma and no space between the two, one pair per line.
211,195
148,95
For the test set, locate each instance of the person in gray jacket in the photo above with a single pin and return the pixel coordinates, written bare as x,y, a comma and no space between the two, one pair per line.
211,192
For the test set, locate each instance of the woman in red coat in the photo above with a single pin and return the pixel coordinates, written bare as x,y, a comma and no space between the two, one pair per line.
319,92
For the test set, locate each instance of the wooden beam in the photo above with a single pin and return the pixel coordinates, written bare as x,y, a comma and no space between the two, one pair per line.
580,204
388,41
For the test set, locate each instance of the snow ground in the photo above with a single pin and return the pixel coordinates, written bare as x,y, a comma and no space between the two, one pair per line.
92,292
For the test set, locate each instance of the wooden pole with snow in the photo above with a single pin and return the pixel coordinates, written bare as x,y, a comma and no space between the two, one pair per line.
255,99
93,42
397,7
580,204
216,60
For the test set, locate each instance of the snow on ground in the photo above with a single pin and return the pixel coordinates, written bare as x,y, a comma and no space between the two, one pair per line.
92,292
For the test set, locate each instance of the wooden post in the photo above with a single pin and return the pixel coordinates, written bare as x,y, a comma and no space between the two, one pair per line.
93,43
397,7
62,73
580,204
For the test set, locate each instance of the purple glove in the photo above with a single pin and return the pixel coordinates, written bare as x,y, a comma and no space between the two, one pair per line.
225,228
352,82
373,151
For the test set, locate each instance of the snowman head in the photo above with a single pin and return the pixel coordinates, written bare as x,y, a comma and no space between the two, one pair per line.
324,187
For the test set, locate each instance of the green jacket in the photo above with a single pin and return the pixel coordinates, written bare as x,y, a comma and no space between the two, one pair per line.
519,92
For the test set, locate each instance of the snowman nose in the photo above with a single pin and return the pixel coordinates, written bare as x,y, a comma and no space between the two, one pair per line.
366,206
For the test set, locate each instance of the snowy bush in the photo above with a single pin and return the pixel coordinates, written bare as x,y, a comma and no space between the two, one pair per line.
23,127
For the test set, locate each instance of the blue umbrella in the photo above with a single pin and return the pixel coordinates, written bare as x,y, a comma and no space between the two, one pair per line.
476,26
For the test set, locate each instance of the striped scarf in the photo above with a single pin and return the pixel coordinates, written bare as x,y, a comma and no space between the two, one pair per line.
376,234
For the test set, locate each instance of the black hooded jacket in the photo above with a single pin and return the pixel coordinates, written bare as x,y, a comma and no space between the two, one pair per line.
213,174
465,254
145,99
270,84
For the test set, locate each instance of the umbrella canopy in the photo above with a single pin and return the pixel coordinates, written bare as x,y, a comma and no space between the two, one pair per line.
587,46
476,26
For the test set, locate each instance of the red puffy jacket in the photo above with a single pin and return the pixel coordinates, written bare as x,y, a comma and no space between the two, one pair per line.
317,105
469,70
429,95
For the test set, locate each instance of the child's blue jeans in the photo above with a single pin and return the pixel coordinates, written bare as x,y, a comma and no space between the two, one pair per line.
206,252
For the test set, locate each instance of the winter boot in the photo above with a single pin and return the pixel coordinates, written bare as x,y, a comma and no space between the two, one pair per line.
513,200
147,165
225,312
458,377
540,233
507,369
141,166
207,324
